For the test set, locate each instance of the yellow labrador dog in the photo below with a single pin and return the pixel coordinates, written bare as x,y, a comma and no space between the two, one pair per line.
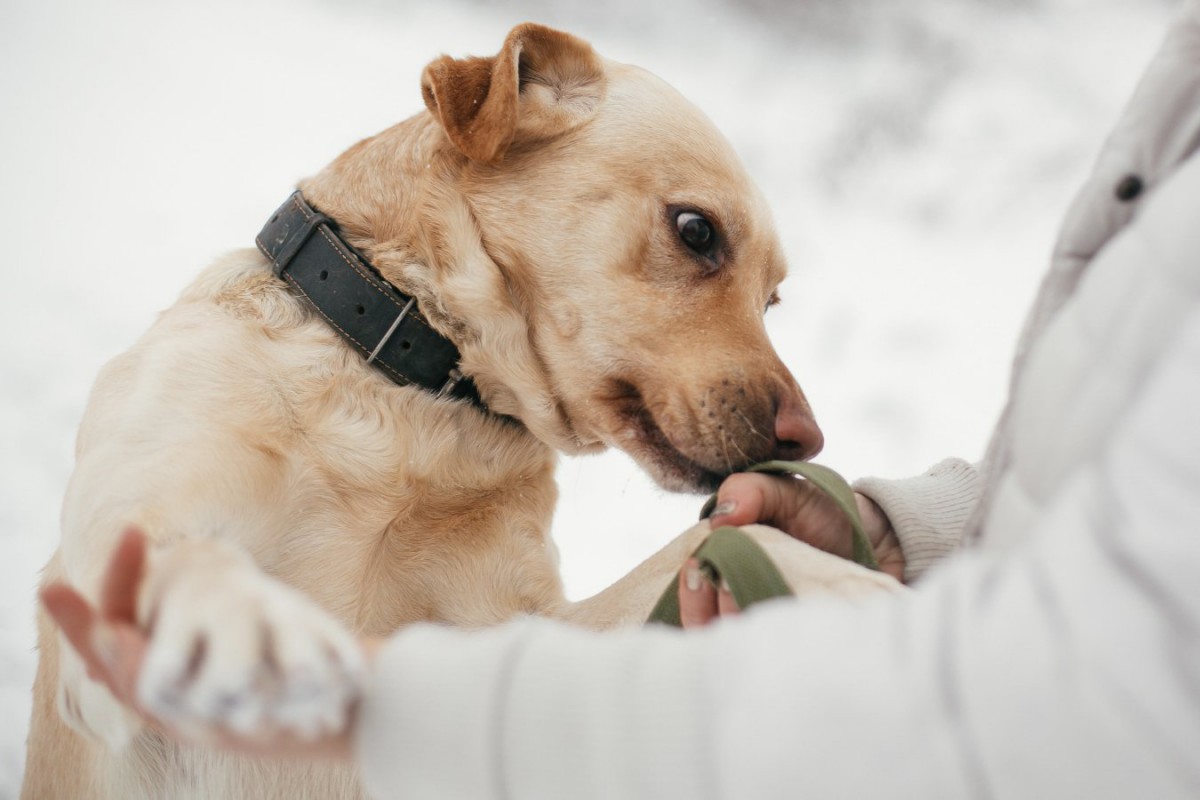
564,255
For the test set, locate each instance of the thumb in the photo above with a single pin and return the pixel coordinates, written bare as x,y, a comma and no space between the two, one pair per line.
123,578
749,497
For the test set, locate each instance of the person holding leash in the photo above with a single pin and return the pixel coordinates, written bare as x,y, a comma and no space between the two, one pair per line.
1054,649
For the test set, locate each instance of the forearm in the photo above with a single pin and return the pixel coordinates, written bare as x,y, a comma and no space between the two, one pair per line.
920,695
478,714
881,535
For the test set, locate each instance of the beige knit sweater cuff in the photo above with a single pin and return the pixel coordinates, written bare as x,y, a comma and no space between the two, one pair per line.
928,512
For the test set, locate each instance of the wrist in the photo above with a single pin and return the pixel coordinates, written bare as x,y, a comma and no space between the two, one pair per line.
881,535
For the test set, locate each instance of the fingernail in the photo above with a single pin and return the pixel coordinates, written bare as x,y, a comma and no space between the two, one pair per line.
724,507
104,644
692,576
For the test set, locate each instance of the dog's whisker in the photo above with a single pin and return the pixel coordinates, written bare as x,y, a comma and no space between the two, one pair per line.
741,452
751,426
725,451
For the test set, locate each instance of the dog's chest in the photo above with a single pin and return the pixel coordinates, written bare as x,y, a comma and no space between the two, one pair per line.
417,512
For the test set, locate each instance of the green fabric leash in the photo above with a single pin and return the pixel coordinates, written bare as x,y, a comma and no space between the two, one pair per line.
731,556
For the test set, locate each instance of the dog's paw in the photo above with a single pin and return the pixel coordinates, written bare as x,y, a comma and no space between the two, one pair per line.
237,650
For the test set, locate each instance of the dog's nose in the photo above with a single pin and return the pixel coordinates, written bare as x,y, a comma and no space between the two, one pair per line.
797,437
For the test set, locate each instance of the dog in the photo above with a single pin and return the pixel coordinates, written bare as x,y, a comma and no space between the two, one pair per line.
589,264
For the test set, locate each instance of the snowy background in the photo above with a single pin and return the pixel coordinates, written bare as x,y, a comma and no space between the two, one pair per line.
917,156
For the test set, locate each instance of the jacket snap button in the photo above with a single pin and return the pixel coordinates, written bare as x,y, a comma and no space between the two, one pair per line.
1129,188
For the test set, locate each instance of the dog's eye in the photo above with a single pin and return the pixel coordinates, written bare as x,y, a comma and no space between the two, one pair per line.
696,232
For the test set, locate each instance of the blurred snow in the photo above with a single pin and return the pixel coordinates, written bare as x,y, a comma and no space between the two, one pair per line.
917,156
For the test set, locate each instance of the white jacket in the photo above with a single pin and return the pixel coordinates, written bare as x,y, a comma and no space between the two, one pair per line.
1059,657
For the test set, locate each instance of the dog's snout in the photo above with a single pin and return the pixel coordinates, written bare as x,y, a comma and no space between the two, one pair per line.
797,436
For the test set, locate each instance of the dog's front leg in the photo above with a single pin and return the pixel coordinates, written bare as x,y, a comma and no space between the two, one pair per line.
232,648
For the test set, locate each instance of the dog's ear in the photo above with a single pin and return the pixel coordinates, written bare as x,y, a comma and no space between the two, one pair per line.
542,83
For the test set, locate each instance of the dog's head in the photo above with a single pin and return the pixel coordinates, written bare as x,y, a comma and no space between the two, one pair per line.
596,249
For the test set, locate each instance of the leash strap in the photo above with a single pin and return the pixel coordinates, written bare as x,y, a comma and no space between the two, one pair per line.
731,556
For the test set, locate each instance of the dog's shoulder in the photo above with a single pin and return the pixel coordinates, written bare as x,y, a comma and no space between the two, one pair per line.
218,357
242,285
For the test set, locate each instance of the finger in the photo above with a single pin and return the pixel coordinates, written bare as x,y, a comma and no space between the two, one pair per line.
123,578
748,497
76,618
726,605
73,614
697,597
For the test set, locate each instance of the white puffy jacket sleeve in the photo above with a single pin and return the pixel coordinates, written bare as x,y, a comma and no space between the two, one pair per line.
1067,667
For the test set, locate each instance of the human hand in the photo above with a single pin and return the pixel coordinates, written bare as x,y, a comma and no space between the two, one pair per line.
800,509
113,647
797,508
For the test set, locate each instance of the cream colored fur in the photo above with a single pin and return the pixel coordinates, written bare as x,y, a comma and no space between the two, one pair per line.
530,212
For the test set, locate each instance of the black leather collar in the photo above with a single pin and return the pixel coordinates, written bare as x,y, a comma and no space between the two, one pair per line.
373,316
